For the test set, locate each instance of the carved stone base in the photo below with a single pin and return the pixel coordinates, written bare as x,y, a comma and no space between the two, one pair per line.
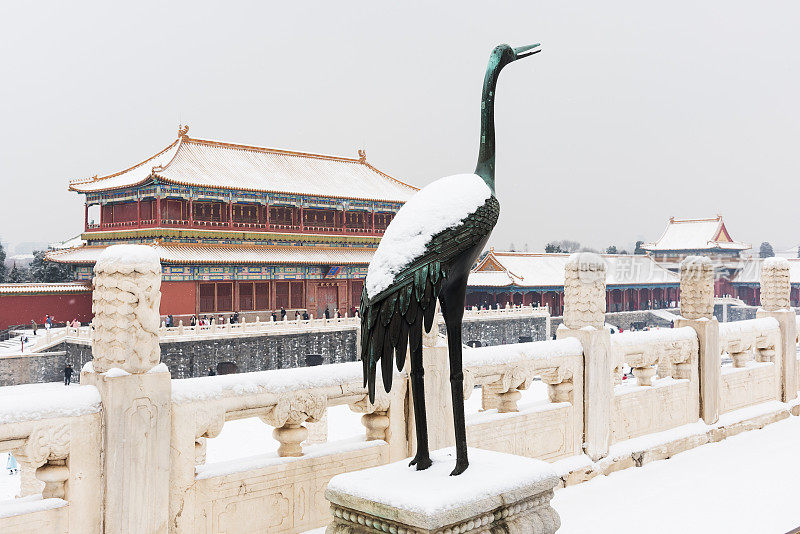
499,493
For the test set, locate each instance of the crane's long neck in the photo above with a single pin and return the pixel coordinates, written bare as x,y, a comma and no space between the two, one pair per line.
486,154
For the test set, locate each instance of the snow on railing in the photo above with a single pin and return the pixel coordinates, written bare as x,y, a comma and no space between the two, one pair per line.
666,352
286,399
503,370
753,339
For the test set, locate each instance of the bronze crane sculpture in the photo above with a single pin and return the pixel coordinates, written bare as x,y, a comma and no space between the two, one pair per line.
426,254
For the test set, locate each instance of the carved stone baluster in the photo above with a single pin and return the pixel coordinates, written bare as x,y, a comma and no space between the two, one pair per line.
559,384
740,358
766,355
47,447
288,417
682,365
375,418
506,389
54,474
642,365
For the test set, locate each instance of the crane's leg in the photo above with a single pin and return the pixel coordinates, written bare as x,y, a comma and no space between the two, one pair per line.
452,300
423,458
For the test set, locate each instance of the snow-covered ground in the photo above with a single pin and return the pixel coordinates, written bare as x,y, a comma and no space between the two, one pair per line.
739,485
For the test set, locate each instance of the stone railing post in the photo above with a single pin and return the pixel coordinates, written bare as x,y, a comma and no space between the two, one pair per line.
775,292
135,396
697,311
584,318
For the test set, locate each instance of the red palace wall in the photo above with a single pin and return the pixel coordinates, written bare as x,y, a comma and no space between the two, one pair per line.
20,309
178,298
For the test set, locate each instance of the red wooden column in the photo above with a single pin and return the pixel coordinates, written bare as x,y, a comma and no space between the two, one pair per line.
344,220
624,300
230,213
302,223
191,212
266,214
373,219
158,208
138,212
86,217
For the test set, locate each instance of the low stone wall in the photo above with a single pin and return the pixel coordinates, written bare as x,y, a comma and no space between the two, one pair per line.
190,355
741,313
34,368
190,358
193,357
502,331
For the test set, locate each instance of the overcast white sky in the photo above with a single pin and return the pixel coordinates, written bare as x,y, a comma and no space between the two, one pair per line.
633,112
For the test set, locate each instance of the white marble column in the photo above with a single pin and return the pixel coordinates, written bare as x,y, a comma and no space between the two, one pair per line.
134,389
697,311
584,318
775,302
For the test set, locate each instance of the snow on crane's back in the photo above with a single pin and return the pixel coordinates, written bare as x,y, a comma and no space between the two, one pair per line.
436,207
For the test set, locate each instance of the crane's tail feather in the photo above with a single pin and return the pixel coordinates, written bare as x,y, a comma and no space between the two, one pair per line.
402,346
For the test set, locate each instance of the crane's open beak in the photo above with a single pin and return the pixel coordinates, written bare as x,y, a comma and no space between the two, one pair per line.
525,51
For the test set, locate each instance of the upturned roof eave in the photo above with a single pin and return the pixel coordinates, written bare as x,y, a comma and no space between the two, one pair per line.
75,184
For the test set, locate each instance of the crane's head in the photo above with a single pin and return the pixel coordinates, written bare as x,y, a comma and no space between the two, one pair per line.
504,54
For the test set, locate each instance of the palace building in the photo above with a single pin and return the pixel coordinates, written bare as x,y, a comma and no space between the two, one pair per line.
633,282
700,237
695,237
243,228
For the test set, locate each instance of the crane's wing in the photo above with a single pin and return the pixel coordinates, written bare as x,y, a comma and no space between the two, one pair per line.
393,319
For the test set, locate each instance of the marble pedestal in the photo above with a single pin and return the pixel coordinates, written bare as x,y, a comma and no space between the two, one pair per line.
499,493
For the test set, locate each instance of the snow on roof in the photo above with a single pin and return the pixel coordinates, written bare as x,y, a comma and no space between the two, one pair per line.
215,164
438,206
523,269
695,234
72,242
231,254
750,271
43,289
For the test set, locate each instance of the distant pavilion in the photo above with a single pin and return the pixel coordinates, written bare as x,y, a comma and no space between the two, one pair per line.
243,228
699,237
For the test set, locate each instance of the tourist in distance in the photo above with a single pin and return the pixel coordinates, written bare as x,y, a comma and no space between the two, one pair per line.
35,326
67,374
211,371
48,322
11,465
283,313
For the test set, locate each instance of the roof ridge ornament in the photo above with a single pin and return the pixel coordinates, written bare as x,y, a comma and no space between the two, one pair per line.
362,155
183,130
